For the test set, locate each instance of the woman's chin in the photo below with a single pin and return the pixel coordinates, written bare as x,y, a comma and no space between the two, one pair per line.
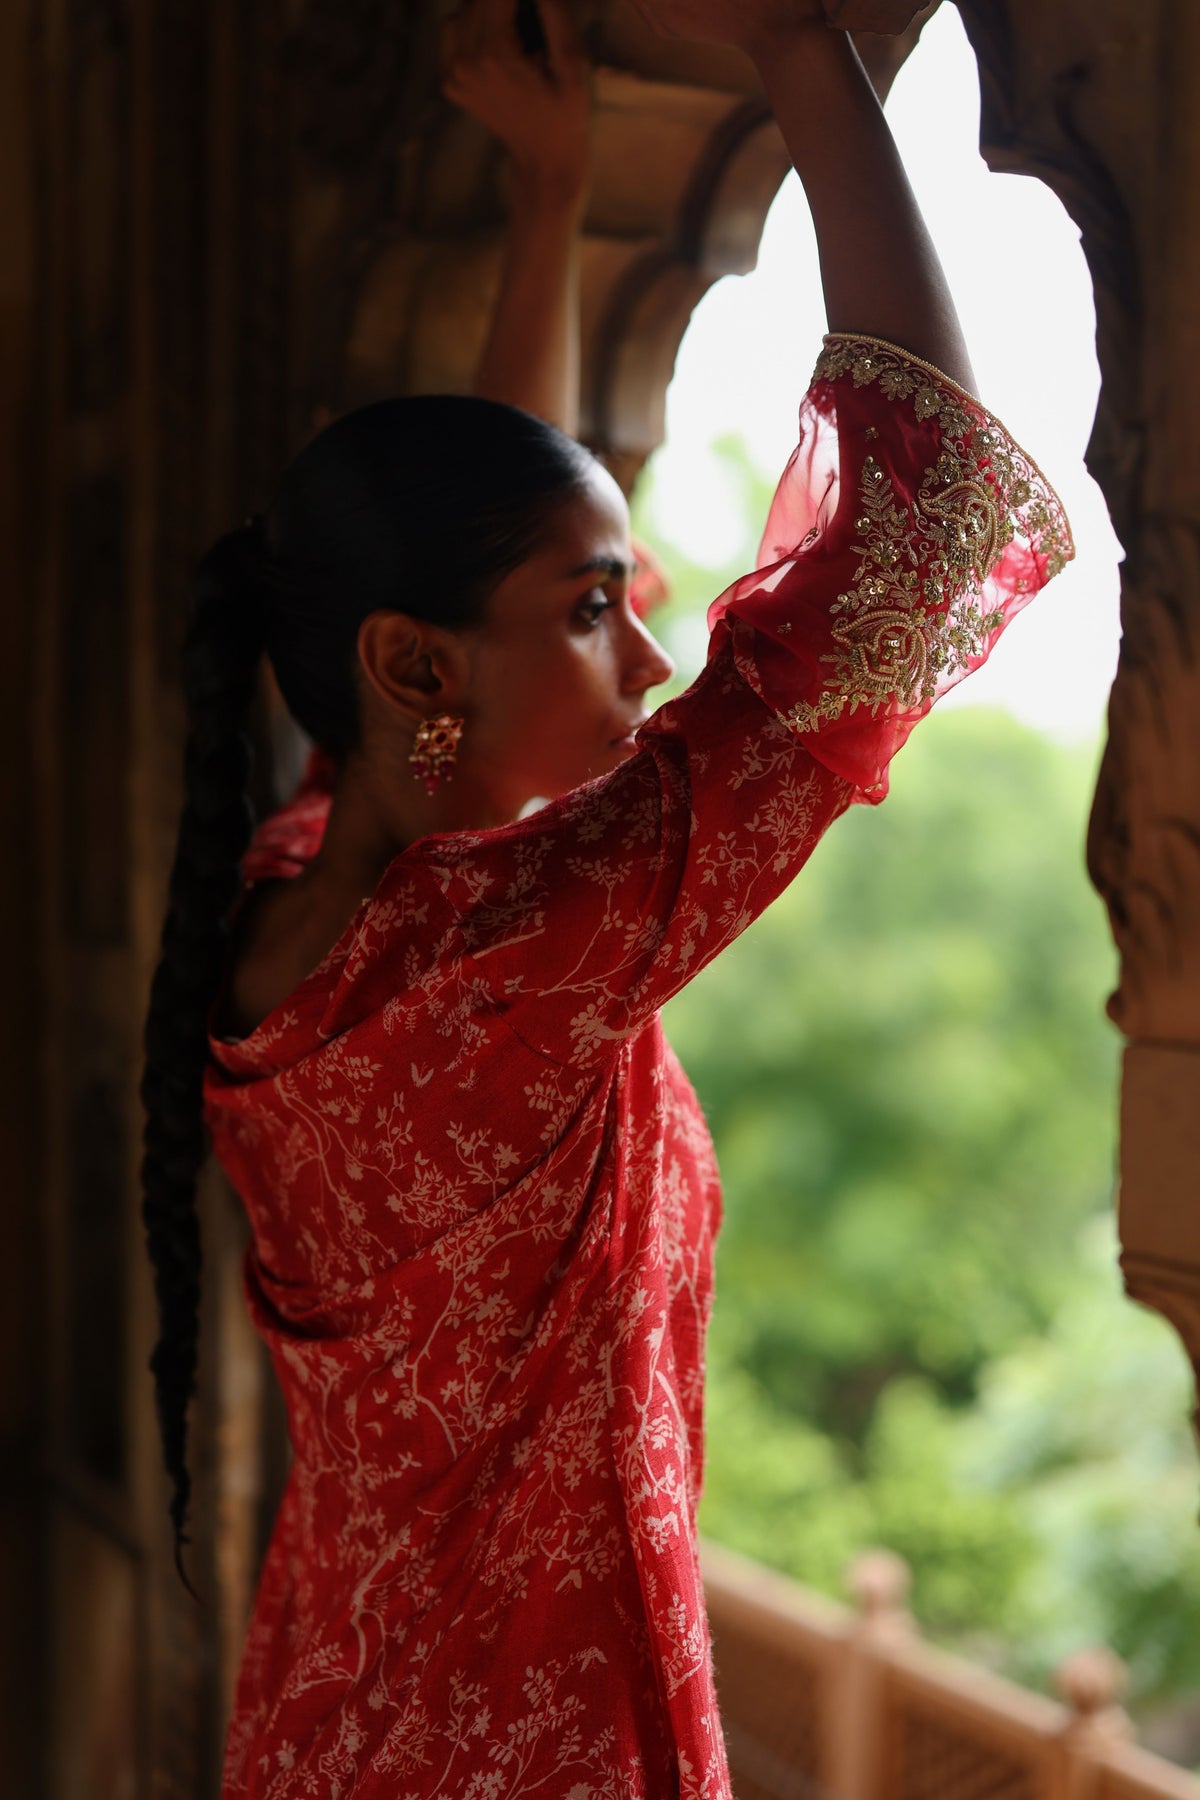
614,753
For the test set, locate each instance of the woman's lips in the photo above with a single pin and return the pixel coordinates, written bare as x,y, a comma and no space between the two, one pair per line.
626,740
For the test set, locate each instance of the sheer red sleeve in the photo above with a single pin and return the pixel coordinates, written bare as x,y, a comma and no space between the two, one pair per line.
907,531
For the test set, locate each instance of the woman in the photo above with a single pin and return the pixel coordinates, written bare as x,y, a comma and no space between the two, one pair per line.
481,1194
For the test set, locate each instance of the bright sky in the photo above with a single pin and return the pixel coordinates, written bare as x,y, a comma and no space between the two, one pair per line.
1022,286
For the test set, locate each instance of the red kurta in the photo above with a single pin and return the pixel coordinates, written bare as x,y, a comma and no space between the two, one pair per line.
482,1195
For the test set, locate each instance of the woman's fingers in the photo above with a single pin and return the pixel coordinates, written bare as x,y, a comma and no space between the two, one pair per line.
487,29
479,28
498,26
563,46
538,106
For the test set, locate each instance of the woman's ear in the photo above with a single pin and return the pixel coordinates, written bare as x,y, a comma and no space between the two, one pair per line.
410,663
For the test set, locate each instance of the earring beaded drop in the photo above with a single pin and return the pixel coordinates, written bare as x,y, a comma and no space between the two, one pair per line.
435,750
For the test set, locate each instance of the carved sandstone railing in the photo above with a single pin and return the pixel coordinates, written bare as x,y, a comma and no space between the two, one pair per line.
821,1702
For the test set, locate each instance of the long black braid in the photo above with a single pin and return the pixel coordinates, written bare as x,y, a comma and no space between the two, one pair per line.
221,656
420,505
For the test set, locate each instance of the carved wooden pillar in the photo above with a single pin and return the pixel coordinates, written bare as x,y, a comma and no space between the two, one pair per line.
1102,103
84,874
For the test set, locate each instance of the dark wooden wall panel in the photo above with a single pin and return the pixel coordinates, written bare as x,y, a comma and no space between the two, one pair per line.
93,710
93,1750
24,1557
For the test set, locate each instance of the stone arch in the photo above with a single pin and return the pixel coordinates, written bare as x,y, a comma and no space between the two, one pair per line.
420,312
688,161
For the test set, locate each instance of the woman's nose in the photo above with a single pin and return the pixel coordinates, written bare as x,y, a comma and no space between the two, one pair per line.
647,664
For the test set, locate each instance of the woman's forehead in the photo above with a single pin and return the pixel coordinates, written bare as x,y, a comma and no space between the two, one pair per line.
591,524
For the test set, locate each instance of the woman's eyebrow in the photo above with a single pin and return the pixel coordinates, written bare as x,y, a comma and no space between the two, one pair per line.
615,567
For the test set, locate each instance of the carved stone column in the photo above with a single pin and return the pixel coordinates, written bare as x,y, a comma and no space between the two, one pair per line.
1145,842
1101,101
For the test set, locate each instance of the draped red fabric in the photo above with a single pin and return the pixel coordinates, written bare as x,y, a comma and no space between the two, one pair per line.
482,1196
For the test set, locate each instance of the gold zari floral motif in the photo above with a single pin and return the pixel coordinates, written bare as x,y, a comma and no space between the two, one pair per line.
916,610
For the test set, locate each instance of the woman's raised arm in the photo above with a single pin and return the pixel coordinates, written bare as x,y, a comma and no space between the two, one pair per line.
880,272
539,106
907,531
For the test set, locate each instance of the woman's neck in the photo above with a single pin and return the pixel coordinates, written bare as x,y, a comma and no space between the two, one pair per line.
377,811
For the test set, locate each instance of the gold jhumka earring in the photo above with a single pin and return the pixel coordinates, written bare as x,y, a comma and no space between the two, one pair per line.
435,750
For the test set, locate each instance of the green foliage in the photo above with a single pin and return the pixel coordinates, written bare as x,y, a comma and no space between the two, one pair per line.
919,1338
881,1049
1088,1425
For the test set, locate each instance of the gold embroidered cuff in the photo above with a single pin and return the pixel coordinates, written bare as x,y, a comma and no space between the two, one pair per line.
931,585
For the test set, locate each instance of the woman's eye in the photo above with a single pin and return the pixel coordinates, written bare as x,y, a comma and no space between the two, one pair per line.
592,610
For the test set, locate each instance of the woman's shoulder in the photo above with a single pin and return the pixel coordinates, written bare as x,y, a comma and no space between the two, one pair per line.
284,930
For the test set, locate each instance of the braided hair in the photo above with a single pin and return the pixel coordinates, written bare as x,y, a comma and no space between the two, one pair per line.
220,663
421,505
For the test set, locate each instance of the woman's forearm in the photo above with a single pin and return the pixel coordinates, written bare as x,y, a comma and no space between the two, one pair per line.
532,354
880,272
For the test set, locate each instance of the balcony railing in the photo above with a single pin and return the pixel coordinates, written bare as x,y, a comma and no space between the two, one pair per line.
824,1702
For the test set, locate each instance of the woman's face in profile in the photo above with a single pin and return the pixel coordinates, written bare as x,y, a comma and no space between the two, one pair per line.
562,666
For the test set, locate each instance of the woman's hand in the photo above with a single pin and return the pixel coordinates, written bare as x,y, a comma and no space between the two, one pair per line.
540,108
750,25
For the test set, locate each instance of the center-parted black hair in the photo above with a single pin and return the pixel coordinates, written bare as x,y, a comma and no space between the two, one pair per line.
420,505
